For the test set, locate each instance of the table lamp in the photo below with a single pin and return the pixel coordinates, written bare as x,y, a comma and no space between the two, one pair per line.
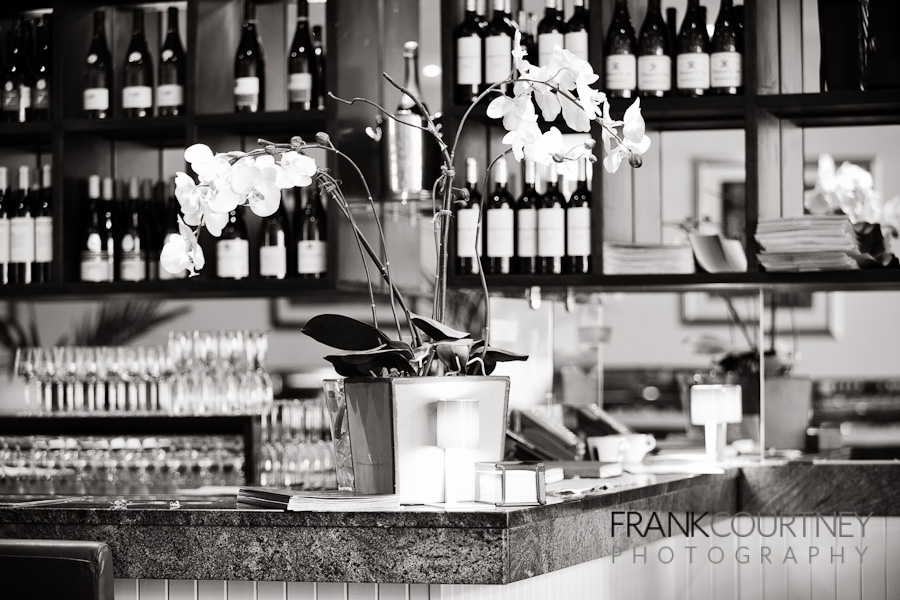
458,433
714,406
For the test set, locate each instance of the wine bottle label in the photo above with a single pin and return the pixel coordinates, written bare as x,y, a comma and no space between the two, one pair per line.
693,71
21,240
169,94
233,259
137,96
654,73
300,87
578,231
311,257
96,99
621,72
95,266
43,239
466,233
133,267
526,233
4,240
500,227
10,97
551,231
497,58
546,43
163,273
42,94
273,261
24,97
246,91
577,43
468,60
725,69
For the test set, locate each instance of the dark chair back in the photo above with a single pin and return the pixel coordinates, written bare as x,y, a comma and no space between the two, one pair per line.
48,569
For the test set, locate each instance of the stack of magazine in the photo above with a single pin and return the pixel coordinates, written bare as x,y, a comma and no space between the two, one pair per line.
316,500
637,259
820,243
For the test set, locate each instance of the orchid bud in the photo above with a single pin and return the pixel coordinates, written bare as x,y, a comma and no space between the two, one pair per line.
590,144
323,138
296,142
557,157
271,149
635,160
592,158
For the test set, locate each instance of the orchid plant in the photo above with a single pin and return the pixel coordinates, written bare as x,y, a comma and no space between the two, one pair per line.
227,181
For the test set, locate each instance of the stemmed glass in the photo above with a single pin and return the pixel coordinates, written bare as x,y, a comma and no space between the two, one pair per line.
25,368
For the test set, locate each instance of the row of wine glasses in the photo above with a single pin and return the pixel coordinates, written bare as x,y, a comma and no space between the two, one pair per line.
296,446
118,465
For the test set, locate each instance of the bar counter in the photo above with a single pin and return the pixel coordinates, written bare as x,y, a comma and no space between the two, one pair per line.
214,538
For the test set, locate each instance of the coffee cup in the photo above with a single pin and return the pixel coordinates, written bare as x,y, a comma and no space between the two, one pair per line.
636,446
606,448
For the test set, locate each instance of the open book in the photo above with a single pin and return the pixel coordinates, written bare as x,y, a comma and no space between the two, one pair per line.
316,500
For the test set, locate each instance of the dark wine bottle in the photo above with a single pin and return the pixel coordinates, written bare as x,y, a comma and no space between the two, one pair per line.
621,49
551,216
273,244
654,63
172,69
408,106
98,74
132,242
96,262
21,232
311,229
550,33
499,224
578,225
40,101
529,37
150,228
468,59
576,37
672,28
468,244
110,222
693,53
319,48
526,224
43,227
173,210
16,93
249,66
302,68
137,89
498,46
726,50
233,248
5,200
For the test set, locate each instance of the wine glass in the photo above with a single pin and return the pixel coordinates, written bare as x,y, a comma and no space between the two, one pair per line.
25,368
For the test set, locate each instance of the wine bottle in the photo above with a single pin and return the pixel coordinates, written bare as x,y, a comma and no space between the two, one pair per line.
479,15
172,69
468,56
233,248
499,224
319,48
467,211
16,95
4,225
273,245
132,242
96,262
40,101
173,210
302,68
137,90
551,217
150,227
551,33
672,28
43,227
726,49
526,224
654,63
498,46
621,47
693,53
110,223
576,37
21,232
529,38
311,229
578,225
408,106
249,66
98,75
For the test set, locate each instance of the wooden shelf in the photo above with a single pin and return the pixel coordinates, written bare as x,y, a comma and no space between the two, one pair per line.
828,109
32,134
170,130
283,123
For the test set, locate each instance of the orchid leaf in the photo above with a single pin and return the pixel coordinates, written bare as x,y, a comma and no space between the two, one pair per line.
344,333
342,368
436,330
454,353
403,347
491,358
365,362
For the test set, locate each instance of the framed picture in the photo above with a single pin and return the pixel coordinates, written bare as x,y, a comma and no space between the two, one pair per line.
288,313
817,313
720,193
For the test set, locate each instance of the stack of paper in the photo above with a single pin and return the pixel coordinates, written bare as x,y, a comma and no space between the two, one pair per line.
820,243
635,259
316,500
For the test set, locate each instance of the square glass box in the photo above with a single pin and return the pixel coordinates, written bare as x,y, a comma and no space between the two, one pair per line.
510,483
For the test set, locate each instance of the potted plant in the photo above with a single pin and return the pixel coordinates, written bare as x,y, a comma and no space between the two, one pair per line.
429,360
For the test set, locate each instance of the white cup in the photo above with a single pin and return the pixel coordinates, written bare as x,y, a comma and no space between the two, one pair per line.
606,448
637,445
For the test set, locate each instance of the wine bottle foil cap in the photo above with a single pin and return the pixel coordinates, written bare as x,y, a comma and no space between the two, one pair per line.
501,172
94,186
471,170
23,178
530,170
3,178
133,188
410,49
46,176
498,5
107,188
554,172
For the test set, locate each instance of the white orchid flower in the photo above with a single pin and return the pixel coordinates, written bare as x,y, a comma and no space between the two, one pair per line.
546,149
512,110
526,134
256,185
519,52
182,252
299,169
188,197
574,114
633,129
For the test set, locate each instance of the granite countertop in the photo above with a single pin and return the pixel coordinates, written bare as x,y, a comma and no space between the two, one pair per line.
215,538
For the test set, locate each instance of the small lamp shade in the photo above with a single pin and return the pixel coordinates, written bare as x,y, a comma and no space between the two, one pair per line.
715,404
457,424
